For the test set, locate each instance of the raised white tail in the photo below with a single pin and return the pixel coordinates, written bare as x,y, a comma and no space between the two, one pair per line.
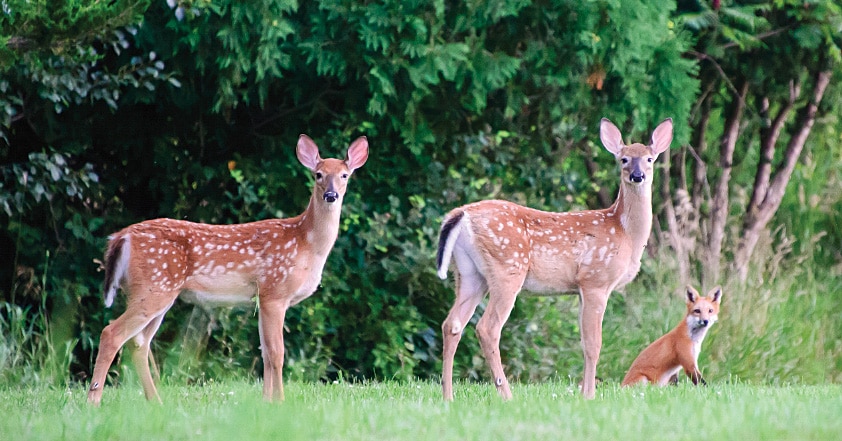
117,262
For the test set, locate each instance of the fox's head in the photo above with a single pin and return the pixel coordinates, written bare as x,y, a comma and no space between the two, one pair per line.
702,311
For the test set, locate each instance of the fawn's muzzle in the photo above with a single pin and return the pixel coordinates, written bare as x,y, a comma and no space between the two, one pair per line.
331,196
637,176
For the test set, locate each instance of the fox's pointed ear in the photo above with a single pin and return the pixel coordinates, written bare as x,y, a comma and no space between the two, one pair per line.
692,294
715,294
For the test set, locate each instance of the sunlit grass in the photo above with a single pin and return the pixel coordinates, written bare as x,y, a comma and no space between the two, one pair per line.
233,410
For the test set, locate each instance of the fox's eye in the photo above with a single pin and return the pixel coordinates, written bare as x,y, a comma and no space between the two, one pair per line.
697,311
710,311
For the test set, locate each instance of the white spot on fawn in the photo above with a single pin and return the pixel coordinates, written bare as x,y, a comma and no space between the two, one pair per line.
587,258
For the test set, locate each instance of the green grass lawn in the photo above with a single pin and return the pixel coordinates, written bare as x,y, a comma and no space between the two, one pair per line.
234,410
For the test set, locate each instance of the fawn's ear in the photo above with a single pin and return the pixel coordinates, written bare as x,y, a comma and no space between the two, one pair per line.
610,136
308,152
357,153
692,294
661,137
715,294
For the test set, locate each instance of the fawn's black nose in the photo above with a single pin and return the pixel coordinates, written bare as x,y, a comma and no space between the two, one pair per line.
637,176
331,196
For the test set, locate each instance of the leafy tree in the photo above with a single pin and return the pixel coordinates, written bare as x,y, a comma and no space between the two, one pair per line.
765,68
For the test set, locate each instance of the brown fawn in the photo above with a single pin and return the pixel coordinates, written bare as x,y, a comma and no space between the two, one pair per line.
678,349
277,261
502,248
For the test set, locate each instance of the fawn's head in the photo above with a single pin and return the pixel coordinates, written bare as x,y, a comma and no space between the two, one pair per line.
636,160
331,174
702,311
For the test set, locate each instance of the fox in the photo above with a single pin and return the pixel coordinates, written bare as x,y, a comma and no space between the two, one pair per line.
678,349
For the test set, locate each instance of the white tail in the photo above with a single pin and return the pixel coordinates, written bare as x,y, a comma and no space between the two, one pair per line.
278,261
502,248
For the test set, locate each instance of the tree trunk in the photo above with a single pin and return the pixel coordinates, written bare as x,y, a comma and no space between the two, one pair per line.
720,203
605,199
700,171
768,191
675,233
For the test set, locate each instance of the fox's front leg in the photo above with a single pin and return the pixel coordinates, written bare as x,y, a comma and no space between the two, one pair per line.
695,376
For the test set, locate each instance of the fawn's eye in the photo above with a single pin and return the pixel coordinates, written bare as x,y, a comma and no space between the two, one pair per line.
344,175
624,160
650,159
318,175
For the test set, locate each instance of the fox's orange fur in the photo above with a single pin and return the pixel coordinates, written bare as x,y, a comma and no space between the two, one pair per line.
678,349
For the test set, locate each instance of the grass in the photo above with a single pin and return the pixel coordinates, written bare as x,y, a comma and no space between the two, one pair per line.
385,411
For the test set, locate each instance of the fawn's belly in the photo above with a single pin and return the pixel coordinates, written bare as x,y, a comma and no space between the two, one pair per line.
219,290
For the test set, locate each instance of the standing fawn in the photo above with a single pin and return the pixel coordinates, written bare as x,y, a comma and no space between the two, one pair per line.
277,261
678,349
501,248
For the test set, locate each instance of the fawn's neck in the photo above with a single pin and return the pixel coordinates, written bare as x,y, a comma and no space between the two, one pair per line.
320,223
634,209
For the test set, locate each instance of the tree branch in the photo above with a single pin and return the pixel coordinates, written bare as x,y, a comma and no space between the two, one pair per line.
806,119
768,140
761,36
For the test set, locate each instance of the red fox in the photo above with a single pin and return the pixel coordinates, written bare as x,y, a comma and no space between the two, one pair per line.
678,349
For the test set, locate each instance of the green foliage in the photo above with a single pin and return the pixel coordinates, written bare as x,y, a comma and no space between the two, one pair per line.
35,30
53,55
43,179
